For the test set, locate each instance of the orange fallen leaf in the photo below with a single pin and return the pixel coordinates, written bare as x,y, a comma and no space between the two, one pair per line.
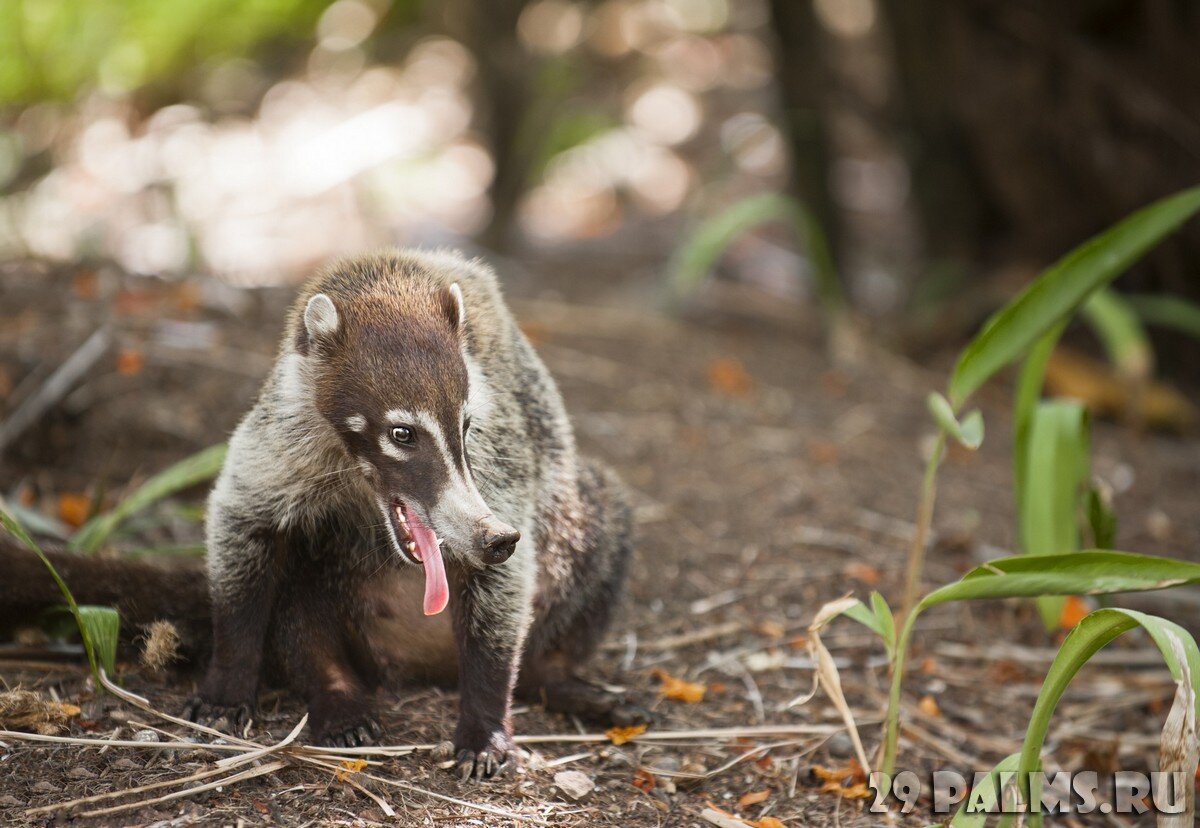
823,452
768,822
129,362
753,798
348,767
858,790
644,780
621,735
929,666
73,509
772,629
727,375
852,771
929,706
799,642
866,573
1074,610
679,690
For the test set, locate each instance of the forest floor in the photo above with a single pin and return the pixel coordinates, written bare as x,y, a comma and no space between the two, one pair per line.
769,480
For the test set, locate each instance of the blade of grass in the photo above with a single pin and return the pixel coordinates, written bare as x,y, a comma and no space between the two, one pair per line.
1058,291
186,473
1120,331
1172,312
1091,634
1057,470
1028,393
17,531
968,432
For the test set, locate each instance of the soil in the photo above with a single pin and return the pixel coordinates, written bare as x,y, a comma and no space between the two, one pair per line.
769,479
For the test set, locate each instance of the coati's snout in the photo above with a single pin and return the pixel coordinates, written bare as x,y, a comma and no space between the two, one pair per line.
496,541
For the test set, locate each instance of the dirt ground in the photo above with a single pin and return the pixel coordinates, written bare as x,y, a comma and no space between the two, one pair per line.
768,482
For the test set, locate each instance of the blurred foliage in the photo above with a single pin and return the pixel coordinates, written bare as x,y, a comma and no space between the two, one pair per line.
51,49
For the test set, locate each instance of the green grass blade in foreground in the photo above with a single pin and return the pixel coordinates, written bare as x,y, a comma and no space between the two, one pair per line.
1058,291
982,801
1168,312
1120,331
968,432
103,626
18,531
693,259
1178,649
877,618
188,472
1091,572
1057,471
1028,394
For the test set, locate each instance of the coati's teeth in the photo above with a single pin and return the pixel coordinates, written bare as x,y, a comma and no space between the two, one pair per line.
411,547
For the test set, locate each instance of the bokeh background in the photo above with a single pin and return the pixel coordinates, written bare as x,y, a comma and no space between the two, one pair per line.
946,149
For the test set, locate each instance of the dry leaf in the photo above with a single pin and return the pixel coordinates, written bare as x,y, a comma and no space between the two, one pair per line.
1103,391
350,766
726,375
858,790
644,780
866,573
676,688
768,822
929,706
621,735
929,666
852,770
26,710
129,362
1074,610
798,642
753,798
73,509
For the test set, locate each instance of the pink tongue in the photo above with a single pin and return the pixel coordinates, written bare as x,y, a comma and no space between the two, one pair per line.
437,591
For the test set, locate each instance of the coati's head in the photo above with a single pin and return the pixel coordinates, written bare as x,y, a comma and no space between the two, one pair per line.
389,375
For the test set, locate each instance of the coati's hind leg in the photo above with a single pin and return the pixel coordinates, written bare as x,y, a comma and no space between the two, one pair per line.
575,612
320,653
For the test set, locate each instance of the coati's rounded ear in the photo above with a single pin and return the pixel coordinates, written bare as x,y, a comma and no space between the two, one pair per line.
452,304
320,316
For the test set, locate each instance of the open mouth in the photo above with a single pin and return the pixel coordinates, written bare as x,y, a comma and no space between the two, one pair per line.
420,545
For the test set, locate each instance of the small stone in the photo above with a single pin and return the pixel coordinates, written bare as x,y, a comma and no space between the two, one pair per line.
574,784
839,745
146,736
9,799
45,787
81,773
126,764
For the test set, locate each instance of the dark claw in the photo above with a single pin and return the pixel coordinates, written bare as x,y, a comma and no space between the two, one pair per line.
480,766
236,717
355,735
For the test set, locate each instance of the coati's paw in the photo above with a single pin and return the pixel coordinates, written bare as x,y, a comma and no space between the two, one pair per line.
228,718
481,755
353,734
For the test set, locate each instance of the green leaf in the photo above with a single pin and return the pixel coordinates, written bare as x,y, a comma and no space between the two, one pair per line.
18,531
1091,572
1061,289
877,618
1120,331
694,258
1168,312
1028,394
968,432
983,799
1057,470
1085,639
103,626
186,473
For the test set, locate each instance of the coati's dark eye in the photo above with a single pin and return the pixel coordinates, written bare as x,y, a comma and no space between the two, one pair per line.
403,435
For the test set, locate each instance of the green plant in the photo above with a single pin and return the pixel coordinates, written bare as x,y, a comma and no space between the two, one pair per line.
1050,463
190,471
694,258
99,627
1168,312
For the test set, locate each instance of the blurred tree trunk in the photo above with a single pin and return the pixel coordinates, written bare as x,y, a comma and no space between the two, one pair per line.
804,83
504,90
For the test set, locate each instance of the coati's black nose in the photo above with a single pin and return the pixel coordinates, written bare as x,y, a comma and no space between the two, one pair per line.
497,547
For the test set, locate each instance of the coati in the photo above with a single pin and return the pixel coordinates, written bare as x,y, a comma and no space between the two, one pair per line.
405,497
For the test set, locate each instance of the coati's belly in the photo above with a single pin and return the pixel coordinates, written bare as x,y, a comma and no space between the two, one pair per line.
408,643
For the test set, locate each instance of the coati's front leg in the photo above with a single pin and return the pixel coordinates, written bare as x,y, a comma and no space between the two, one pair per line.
491,616
243,579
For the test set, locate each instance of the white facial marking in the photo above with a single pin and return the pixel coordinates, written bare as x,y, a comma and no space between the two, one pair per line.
479,394
320,316
293,379
456,294
356,422
391,449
